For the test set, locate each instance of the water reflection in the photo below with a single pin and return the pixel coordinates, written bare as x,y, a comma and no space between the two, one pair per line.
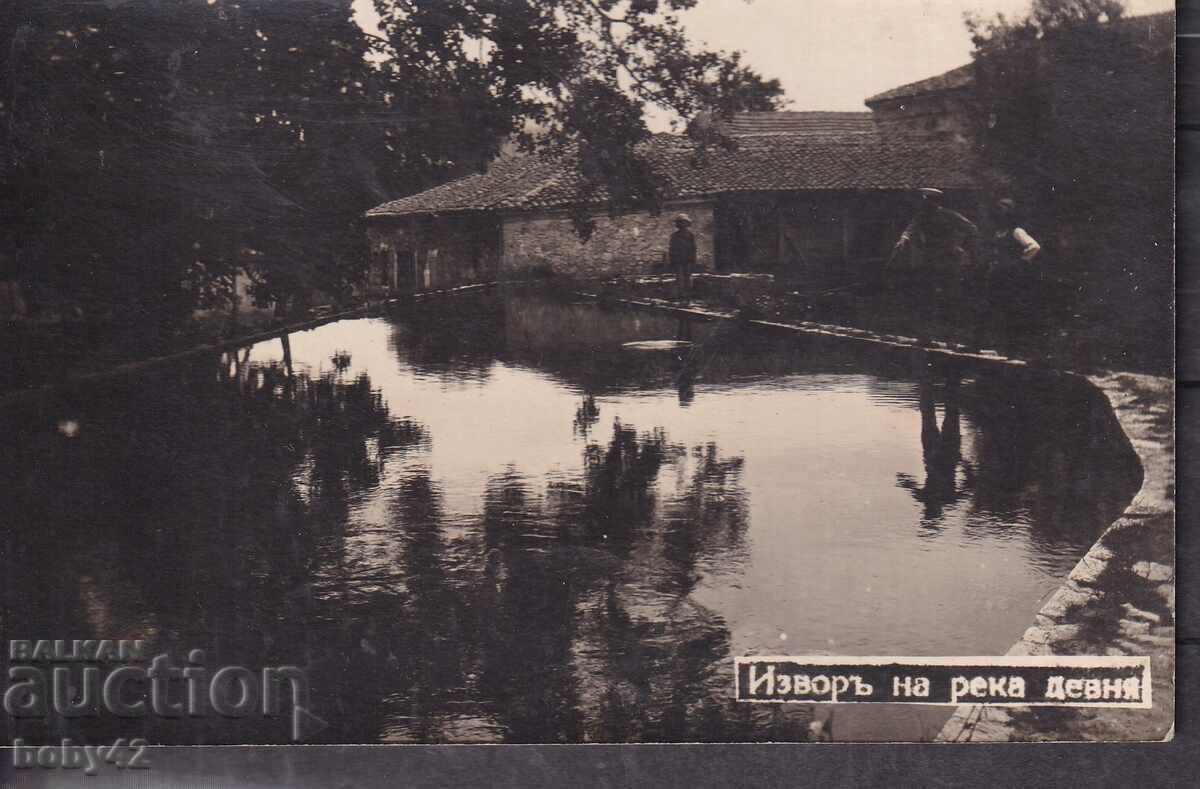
587,415
193,512
685,373
496,524
941,451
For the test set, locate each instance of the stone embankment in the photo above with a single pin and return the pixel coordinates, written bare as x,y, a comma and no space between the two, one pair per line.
1119,599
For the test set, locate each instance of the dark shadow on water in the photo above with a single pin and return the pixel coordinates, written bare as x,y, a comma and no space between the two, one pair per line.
1028,456
281,510
941,448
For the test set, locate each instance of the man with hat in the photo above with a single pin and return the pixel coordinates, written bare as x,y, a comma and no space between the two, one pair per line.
932,254
1010,244
1015,292
681,254
937,233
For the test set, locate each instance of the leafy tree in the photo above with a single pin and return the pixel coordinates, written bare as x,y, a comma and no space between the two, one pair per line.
297,89
93,161
151,149
154,148
566,77
1074,117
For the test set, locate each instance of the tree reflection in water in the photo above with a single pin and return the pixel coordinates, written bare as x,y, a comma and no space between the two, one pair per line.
567,616
596,637
198,513
1041,476
586,416
273,514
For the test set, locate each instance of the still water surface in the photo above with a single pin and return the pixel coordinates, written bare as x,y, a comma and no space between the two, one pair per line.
501,524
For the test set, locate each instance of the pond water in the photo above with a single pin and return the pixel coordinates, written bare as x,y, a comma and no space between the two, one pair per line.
489,520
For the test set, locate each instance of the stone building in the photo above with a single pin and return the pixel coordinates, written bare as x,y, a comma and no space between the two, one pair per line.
935,106
802,195
942,105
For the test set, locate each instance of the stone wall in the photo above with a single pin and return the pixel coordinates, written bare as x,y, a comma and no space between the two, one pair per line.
943,114
1119,600
430,253
633,243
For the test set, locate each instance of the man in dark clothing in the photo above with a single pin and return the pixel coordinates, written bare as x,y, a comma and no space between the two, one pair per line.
930,259
682,254
1015,291
937,234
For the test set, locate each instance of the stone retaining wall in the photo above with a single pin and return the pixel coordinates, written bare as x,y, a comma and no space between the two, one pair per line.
1118,600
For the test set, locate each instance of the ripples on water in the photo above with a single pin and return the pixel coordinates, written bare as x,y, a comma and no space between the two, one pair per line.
501,525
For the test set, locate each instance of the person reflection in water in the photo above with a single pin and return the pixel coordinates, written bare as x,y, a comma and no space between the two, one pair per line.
586,415
685,376
685,385
942,452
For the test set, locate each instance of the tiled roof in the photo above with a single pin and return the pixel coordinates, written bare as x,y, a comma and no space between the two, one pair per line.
509,180
780,162
745,124
954,79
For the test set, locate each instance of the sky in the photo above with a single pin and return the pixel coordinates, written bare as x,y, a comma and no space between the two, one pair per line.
833,54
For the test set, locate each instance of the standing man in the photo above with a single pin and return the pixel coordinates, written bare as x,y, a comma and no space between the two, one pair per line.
682,255
1013,296
931,252
1010,244
938,234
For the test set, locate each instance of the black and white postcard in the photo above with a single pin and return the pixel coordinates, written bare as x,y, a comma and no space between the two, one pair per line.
584,371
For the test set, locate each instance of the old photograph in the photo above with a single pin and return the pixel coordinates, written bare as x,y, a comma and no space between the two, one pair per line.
584,371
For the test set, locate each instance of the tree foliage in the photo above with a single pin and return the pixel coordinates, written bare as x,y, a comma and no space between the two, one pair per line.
1074,117
152,148
572,75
